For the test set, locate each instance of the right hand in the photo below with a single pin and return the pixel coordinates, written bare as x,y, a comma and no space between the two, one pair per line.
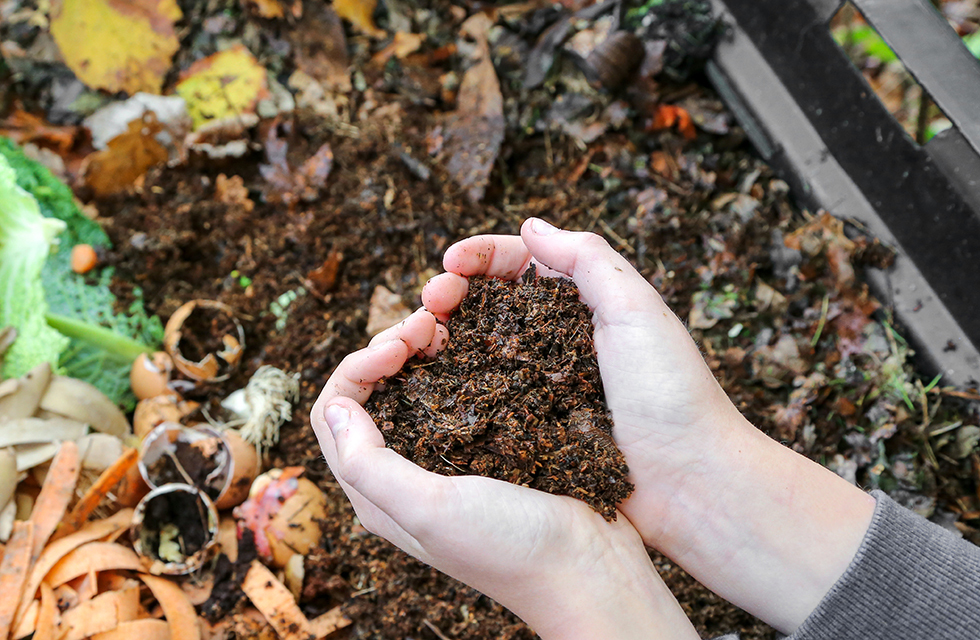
758,524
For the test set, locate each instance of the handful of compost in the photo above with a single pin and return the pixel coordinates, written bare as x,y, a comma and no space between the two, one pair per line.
516,395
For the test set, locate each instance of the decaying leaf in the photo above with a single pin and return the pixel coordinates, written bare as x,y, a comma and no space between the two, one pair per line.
126,157
474,133
386,310
289,185
359,13
116,45
264,8
224,85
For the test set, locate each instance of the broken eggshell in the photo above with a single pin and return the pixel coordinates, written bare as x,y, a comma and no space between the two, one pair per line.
283,510
151,412
197,456
210,367
174,528
150,374
245,465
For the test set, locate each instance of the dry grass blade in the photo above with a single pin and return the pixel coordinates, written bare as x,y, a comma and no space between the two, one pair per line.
106,482
13,572
57,492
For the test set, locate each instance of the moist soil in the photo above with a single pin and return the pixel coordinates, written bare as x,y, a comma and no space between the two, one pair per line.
515,395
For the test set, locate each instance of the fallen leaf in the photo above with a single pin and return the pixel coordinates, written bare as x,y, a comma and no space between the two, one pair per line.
321,49
264,8
224,85
474,133
232,191
126,157
116,45
707,308
402,45
359,13
325,277
777,364
667,116
386,310
288,185
23,127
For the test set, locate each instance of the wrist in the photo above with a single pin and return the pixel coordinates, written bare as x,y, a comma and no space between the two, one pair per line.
764,527
618,596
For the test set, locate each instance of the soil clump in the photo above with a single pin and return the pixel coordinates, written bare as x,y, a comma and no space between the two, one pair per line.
516,395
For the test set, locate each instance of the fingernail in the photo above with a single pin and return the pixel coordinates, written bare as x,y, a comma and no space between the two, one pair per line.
337,417
542,228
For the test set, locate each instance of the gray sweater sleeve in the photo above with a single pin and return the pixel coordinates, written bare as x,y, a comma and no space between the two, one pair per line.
910,580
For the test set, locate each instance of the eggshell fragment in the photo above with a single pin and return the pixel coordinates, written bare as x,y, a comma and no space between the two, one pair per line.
213,367
150,374
246,465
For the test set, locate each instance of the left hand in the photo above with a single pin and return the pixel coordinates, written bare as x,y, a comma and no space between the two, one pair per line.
550,559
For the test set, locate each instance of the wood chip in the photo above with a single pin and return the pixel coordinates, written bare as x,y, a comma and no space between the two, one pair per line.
57,492
176,607
276,603
13,572
94,556
100,488
60,548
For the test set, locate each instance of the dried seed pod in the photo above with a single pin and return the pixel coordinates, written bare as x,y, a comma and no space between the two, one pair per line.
245,466
283,510
614,61
159,409
205,340
150,374
173,529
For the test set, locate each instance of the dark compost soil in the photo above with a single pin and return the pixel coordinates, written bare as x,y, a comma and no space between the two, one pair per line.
516,395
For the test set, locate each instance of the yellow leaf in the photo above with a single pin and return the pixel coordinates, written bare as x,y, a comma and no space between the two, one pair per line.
117,45
359,13
226,84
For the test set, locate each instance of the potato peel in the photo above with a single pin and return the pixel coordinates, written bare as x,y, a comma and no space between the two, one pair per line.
276,603
13,572
57,492
176,607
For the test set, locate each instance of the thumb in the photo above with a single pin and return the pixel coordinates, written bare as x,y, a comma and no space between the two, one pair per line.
356,453
607,282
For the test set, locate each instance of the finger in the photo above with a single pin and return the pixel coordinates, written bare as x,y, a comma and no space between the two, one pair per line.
606,280
488,255
356,375
381,476
416,331
443,293
439,340
371,516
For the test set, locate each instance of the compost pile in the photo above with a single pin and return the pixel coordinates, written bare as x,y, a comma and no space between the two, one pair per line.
516,395
303,166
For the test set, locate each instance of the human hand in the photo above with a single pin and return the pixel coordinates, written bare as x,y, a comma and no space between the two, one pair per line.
761,526
550,559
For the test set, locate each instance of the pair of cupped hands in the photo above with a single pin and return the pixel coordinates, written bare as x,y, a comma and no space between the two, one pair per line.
710,490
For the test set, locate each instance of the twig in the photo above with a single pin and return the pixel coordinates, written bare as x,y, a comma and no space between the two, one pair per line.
434,629
623,244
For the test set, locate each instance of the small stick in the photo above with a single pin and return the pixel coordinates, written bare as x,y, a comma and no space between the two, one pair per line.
434,629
